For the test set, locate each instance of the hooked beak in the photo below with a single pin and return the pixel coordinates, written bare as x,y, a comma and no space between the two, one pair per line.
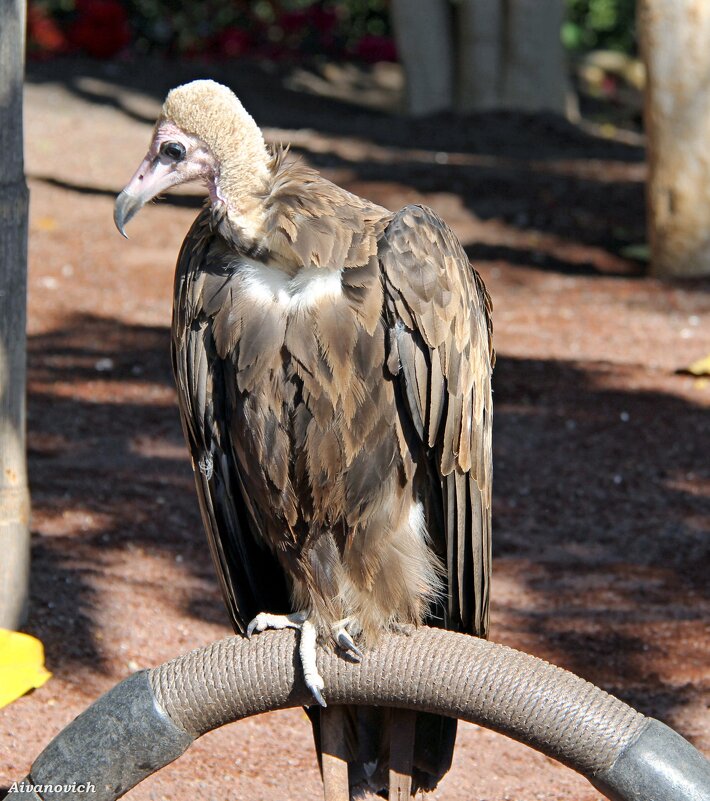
125,207
152,177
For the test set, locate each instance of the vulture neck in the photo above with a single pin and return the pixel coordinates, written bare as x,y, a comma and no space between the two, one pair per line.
294,219
240,184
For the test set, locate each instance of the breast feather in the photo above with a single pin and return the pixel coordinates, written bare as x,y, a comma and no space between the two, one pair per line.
268,284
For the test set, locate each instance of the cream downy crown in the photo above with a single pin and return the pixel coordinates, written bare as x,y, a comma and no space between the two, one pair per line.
213,113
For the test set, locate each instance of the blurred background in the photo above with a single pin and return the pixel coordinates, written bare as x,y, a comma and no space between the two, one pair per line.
596,40
521,122
289,29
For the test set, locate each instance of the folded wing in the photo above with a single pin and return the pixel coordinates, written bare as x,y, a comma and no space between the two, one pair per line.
439,315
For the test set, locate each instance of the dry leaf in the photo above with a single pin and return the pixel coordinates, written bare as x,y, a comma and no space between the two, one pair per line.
700,367
46,224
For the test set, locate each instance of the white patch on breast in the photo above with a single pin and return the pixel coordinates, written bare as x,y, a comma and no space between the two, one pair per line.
416,520
260,282
267,284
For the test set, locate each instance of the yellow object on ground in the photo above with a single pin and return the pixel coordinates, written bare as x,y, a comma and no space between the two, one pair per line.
700,367
21,665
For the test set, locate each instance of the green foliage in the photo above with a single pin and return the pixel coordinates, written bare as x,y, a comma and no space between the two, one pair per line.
605,24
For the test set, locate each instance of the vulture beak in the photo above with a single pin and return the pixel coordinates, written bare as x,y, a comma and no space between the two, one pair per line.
126,206
155,175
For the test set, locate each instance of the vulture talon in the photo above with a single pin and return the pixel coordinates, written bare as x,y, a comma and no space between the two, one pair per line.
316,693
346,642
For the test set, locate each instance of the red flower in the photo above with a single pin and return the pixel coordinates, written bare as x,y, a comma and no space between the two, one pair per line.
44,34
376,48
323,20
610,86
232,42
101,28
293,21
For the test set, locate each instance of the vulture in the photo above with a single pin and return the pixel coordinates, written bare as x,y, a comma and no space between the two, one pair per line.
333,365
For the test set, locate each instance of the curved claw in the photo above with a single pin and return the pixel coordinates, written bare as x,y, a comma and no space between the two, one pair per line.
346,642
316,693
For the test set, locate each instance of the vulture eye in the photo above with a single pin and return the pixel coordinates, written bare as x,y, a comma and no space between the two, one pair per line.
173,150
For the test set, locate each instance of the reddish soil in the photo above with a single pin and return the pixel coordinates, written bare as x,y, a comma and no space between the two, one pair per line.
602,492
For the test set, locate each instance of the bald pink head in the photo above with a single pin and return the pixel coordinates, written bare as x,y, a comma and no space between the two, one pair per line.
203,134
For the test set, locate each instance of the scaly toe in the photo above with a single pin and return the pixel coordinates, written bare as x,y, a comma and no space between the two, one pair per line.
307,652
264,621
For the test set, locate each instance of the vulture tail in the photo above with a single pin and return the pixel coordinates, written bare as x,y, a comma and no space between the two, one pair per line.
369,736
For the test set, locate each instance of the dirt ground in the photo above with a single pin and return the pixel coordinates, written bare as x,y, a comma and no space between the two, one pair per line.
602,489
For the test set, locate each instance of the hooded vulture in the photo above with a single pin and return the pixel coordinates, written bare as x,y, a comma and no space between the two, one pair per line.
333,363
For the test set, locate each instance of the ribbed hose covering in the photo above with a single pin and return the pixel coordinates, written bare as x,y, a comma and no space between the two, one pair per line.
428,669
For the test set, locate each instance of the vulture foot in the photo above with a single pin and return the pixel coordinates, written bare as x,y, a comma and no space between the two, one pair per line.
306,646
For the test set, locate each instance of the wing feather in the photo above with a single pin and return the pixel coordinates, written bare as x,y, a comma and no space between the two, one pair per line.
437,400
440,315
249,576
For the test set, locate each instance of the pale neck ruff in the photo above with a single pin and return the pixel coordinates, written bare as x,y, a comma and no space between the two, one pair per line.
237,201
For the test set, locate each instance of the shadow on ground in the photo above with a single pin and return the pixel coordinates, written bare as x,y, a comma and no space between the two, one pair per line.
523,170
509,134
108,470
602,509
600,494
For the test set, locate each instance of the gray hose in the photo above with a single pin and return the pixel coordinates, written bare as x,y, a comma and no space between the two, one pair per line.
152,717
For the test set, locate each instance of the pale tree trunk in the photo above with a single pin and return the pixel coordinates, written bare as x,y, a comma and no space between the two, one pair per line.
424,41
675,43
480,29
510,55
534,68
469,55
14,495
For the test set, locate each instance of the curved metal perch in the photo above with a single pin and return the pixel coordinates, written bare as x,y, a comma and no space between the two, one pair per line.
151,718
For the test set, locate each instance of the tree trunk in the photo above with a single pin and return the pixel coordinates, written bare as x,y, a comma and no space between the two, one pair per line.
534,68
424,41
14,495
675,43
479,27
481,54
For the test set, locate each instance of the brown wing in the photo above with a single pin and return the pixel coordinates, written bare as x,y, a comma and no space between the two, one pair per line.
250,577
440,318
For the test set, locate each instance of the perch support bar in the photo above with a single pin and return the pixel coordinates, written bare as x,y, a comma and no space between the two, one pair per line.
151,718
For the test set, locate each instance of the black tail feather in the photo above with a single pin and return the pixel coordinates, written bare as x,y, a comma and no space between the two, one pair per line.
368,731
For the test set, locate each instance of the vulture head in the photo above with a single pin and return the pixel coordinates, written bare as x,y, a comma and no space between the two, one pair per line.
203,134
